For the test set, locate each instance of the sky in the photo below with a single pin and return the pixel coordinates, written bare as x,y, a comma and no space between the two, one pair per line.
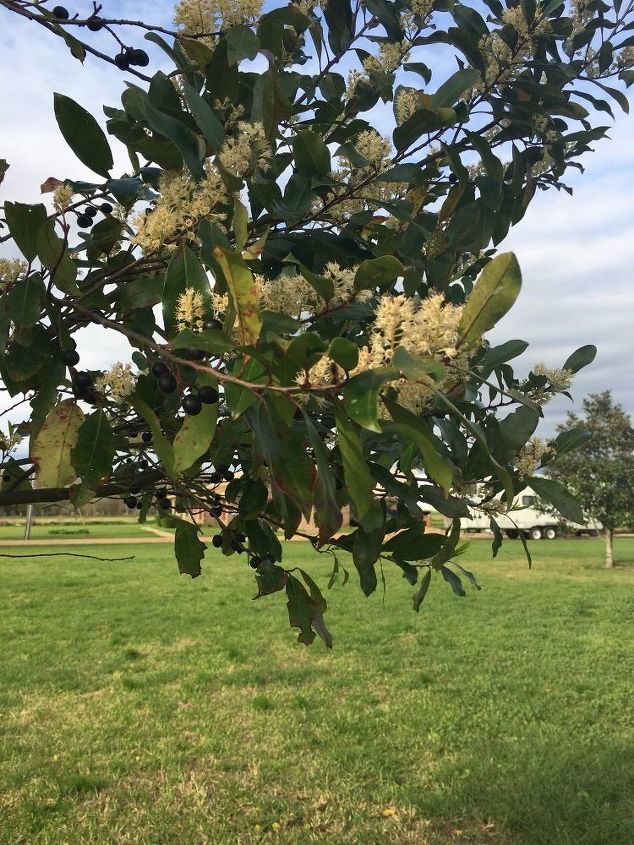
576,253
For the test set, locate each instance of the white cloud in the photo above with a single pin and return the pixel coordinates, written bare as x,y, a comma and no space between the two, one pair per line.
576,252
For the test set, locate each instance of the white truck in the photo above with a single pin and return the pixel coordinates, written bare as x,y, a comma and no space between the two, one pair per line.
534,524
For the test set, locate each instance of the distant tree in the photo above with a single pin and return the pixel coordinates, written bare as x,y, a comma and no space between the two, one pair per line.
600,471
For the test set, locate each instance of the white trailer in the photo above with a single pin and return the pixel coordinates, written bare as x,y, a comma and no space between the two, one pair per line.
527,519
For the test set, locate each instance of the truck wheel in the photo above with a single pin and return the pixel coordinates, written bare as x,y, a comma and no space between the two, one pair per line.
535,533
550,533
512,534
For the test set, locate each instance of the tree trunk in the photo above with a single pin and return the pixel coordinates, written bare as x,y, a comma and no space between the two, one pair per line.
609,548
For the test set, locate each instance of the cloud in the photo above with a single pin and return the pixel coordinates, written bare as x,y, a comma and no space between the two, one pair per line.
576,252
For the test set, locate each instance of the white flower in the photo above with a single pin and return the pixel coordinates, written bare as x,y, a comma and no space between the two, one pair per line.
118,381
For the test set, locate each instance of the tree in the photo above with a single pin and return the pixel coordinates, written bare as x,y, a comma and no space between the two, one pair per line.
600,470
325,289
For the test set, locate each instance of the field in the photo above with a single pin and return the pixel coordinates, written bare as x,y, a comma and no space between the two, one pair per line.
139,707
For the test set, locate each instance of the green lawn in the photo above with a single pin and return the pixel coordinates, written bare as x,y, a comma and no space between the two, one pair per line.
138,707
76,530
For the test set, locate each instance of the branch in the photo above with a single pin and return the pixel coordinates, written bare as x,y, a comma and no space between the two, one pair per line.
70,554
62,494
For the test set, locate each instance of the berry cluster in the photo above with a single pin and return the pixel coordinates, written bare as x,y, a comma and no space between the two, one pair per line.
86,218
192,402
128,57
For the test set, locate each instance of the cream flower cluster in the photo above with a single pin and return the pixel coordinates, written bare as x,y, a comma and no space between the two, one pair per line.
182,204
195,17
246,150
358,186
10,271
427,327
390,57
406,102
558,381
119,382
62,198
294,295
501,60
530,456
190,310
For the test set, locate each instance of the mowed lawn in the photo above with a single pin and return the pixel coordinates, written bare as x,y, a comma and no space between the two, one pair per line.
139,706
76,530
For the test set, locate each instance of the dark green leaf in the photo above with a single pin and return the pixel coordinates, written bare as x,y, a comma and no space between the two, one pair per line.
420,594
25,222
580,358
414,544
311,155
453,89
83,135
376,272
25,300
556,494
93,454
188,548
358,479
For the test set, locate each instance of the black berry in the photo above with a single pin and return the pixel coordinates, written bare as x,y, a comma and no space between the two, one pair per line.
453,178
167,383
165,504
216,541
90,211
208,395
139,505
229,475
60,13
122,61
146,437
143,464
215,478
130,502
216,510
212,324
134,489
139,58
82,379
95,24
161,493
196,354
69,356
159,369
106,208
255,562
192,405
84,221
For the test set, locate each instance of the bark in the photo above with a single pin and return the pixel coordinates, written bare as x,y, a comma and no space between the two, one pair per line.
609,548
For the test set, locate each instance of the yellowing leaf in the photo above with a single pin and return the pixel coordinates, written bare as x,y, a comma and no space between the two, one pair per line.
494,293
51,450
244,294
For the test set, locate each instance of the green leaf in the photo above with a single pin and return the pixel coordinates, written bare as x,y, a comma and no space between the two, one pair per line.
194,437
212,341
501,354
311,154
556,494
328,516
357,475
414,544
376,272
416,366
24,222
51,449
417,432
188,548
566,441
212,129
184,271
344,352
242,43
580,358
270,579
454,582
93,454
4,166
453,89
25,300
494,293
305,613
361,393
54,255
161,444
83,135
420,594
421,123
244,294
338,15
366,549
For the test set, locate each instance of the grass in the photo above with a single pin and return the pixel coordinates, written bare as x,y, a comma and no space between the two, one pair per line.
75,530
144,708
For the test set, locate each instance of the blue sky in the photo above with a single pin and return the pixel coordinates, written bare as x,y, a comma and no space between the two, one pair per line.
576,253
